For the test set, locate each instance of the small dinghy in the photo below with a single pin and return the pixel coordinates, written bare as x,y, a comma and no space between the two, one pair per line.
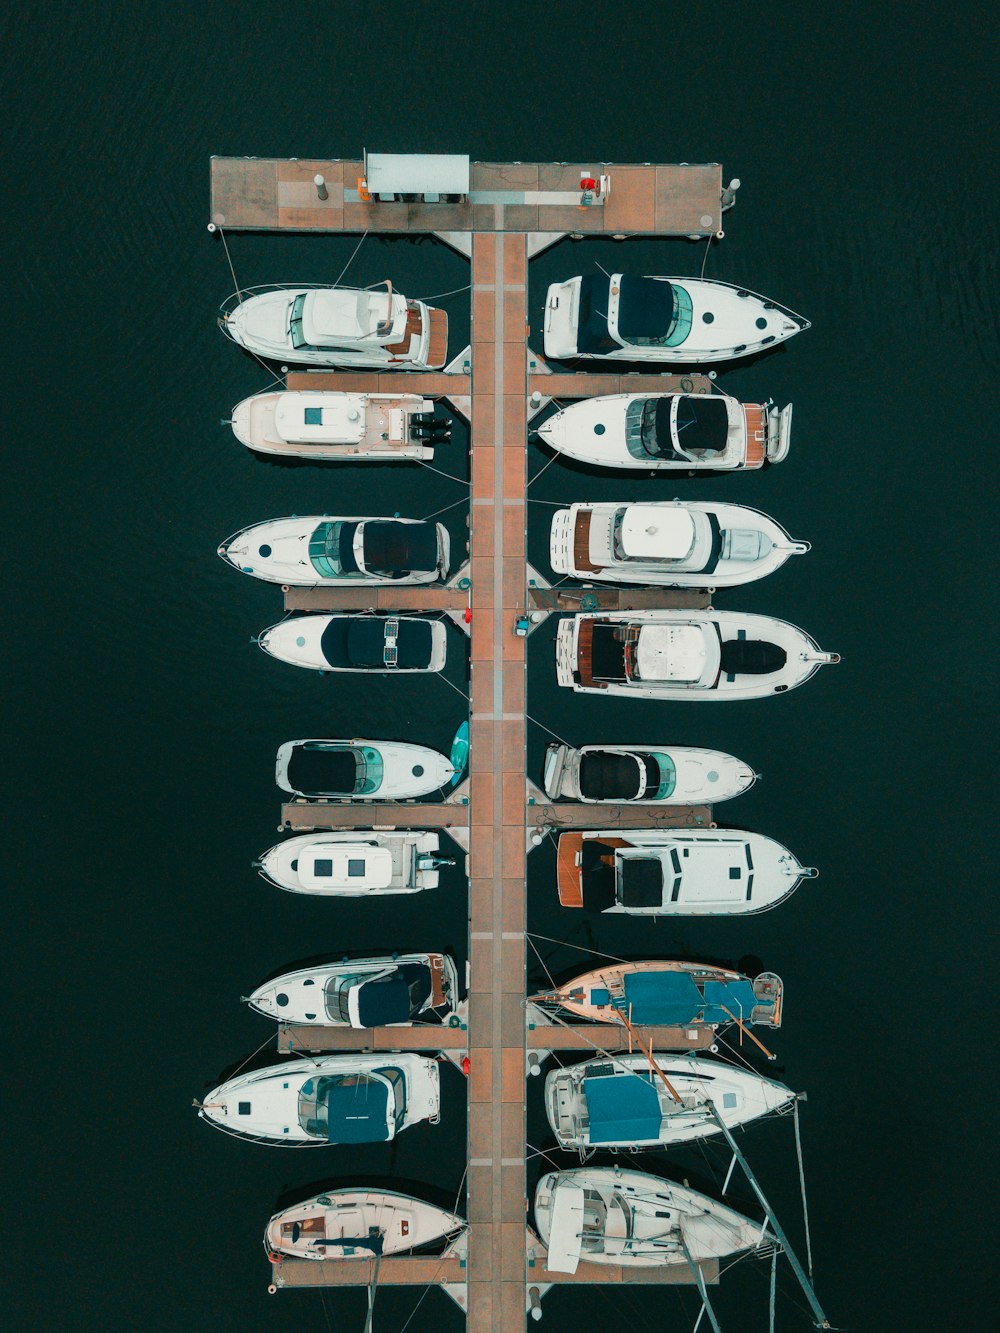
319,550
359,770
355,864
670,432
340,427
684,655
635,1101
644,774
329,1099
337,326
676,321
364,993
603,1215
675,872
358,1224
673,544
393,645
673,994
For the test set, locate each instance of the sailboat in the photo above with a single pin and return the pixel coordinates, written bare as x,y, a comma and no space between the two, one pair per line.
357,1224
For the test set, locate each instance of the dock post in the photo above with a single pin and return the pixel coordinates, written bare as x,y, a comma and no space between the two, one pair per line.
320,182
535,1303
729,193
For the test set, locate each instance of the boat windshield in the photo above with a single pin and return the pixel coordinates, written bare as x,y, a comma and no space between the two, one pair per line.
370,771
397,1082
667,777
295,322
653,313
330,549
336,997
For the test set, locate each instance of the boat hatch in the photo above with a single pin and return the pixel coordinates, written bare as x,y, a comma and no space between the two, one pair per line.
648,532
346,867
565,1227
622,1109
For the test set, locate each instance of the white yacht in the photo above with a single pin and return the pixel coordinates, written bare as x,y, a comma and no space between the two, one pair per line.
356,863
357,1224
684,654
603,1215
677,321
659,1101
374,327
331,426
387,645
363,993
351,1098
670,432
675,872
361,770
320,550
672,543
644,774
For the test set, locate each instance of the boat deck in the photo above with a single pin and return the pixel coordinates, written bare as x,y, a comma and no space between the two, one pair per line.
278,194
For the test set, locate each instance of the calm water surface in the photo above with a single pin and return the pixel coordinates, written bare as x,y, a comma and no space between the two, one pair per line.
142,721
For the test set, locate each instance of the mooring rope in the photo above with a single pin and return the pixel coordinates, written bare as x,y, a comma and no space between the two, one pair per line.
351,260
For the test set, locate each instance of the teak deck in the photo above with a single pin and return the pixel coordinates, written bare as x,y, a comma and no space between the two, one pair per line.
496,813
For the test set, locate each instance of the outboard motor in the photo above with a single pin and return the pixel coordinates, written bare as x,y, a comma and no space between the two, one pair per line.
427,426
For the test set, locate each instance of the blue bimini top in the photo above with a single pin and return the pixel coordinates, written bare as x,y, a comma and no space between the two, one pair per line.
623,1108
674,999
356,1110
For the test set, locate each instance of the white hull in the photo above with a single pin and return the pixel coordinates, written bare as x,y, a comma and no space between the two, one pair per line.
299,642
578,1119
608,1216
699,775
333,426
279,550
326,996
408,863
702,673
717,545
266,1105
323,1227
407,771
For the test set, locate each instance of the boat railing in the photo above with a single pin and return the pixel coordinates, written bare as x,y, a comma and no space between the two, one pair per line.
236,298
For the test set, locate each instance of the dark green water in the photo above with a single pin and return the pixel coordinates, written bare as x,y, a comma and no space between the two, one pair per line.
142,722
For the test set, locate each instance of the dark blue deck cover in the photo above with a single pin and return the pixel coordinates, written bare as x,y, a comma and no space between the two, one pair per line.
623,1108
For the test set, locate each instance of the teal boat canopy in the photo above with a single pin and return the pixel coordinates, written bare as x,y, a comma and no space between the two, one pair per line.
674,1000
623,1108
460,752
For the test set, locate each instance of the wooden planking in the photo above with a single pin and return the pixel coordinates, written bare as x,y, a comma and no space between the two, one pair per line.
429,384
413,597
611,1037
670,1275
593,384
422,1037
304,816
401,1271
568,597
278,194
573,814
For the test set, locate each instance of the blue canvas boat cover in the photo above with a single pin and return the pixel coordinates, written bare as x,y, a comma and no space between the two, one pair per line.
356,1110
736,996
671,998
623,1108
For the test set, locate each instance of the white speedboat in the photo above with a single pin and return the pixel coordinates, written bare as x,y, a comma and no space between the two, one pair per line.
678,321
684,655
374,327
328,1099
625,1101
320,550
641,774
363,993
603,1215
670,432
340,427
675,872
672,543
396,645
357,1224
673,994
356,863
360,770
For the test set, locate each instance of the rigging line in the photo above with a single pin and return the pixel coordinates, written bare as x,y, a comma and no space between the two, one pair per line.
582,948
705,258
266,1042
351,260
439,296
802,1187
541,960
225,247
540,1152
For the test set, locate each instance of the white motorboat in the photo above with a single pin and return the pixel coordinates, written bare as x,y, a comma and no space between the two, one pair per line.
641,774
363,993
678,321
672,543
635,1101
361,770
340,427
670,432
357,1224
603,1215
351,1098
668,993
337,326
684,654
675,872
320,550
394,645
356,863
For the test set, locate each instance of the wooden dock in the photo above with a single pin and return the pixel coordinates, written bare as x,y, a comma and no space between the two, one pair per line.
278,194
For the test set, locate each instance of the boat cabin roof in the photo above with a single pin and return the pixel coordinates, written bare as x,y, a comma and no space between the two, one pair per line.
366,642
345,866
392,548
346,1108
650,532
686,654
343,316
607,776
320,417
622,1106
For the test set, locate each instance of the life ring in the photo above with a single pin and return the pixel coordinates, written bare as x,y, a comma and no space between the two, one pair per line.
273,1258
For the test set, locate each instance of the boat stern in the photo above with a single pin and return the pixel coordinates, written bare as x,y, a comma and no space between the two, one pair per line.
566,651
562,307
561,540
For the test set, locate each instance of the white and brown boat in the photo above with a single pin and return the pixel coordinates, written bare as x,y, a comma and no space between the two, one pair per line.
346,427
358,1224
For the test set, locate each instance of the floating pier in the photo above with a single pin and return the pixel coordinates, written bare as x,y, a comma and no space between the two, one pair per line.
509,213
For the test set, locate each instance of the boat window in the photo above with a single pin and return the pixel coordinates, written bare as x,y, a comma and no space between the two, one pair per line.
313,416
642,437
295,323
370,771
653,313
398,1083
668,776
336,995
330,549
